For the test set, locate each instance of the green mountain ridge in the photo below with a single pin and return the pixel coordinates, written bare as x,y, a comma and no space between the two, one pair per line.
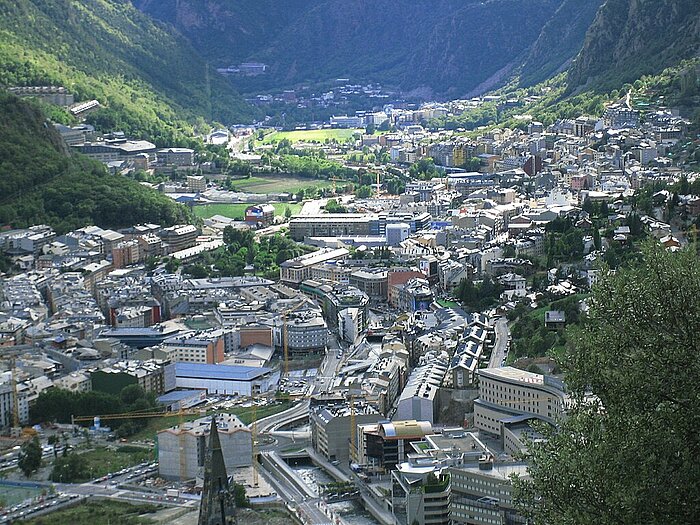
444,48
440,48
41,182
632,38
151,80
559,41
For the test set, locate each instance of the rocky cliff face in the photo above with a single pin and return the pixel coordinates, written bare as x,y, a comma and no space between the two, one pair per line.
631,38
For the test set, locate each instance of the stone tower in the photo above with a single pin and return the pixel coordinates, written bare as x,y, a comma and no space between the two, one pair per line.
218,505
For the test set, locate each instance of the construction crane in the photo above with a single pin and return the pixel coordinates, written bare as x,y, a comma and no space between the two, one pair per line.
379,186
334,180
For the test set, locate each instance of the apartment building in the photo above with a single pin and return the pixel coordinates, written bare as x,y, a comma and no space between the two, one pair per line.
507,392
196,348
179,237
294,271
331,428
372,281
482,494
149,375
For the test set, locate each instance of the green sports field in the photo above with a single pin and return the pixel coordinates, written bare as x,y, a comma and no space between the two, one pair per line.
237,211
312,135
278,184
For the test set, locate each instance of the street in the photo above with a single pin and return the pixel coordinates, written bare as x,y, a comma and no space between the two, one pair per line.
500,349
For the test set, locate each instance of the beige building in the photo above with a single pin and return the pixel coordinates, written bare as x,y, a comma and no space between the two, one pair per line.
296,270
182,449
179,237
508,392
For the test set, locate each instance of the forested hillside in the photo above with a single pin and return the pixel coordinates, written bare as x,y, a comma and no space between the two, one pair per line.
632,38
150,79
41,183
439,47
559,41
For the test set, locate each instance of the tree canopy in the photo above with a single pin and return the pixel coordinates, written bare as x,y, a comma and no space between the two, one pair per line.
30,456
630,456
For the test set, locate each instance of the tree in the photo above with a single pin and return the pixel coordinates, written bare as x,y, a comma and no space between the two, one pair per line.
197,271
629,454
30,457
597,243
131,393
287,212
472,164
240,496
53,441
509,251
172,265
69,468
363,192
332,206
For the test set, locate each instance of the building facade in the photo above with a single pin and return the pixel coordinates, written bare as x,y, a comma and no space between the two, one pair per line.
182,449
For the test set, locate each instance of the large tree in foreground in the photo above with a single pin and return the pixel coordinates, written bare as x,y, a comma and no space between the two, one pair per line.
632,456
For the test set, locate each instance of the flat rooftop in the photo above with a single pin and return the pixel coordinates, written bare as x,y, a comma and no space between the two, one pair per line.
222,372
513,374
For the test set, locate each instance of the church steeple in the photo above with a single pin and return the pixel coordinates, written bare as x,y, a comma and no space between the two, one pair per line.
218,503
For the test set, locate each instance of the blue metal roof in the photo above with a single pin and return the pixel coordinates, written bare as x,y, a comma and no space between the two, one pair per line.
178,395
225,372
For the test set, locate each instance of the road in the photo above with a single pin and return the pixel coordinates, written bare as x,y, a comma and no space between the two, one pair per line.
308,509
329,367
283,418
500,348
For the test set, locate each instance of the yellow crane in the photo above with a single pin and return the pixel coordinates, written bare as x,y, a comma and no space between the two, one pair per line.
334,180
139,414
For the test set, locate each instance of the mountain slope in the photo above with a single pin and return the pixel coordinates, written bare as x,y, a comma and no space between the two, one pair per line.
559,41
227,32
632,38
443,47
41,183
149,77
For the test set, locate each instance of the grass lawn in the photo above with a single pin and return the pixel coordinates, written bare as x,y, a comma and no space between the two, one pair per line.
447,304
237,211
312,135
102,460
278,184
244,414
103,511
12,495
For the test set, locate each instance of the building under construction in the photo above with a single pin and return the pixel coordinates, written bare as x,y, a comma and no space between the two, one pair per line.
182,449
